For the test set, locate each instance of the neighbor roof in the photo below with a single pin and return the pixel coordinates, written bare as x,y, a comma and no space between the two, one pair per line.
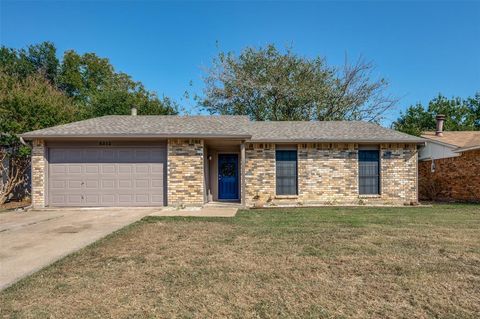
225,126
460,139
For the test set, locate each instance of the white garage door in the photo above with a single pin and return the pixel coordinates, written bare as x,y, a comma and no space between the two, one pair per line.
112,176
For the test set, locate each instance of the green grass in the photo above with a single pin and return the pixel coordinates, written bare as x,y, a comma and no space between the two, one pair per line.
277,263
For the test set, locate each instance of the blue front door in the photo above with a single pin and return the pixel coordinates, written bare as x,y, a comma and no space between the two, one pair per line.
227,176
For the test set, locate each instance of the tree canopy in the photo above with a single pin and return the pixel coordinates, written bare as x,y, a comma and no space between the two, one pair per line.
87,81
31,103
267,84
460,115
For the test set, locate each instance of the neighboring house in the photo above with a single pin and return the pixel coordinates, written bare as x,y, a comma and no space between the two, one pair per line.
191,160
449,167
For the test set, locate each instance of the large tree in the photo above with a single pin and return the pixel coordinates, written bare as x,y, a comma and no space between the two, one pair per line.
461,115
26,104
267,84
39,58
91,81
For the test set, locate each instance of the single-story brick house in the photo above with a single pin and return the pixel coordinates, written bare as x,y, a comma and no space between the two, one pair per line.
192,160
449,165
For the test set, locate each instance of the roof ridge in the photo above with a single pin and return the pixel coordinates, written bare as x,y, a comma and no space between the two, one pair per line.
171,115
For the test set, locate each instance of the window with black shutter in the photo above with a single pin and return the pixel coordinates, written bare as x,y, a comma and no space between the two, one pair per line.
369,172
286,172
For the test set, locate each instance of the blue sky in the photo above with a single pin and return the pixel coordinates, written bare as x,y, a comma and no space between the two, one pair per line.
422,48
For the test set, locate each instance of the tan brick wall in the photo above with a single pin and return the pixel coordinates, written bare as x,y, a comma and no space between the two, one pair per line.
185,185
328,174
454,179
399,172
259,173
39,166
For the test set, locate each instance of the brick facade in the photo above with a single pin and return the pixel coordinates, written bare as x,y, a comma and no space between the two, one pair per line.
185,185
454,179
399,172
39,169
328,174
259,173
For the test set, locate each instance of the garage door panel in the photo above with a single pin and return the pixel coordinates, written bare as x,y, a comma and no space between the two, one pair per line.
74,199
125,198
107,183
125,183
125,168
74,169
157,185
59,169
141,198
107,177
108,169
92,199
142,183
58,184
157,168
108,199
142,168
58,199
92,169
92,184
157,182
76,184
157,199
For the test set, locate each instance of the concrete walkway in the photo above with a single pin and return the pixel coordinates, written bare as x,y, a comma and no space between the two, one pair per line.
32,240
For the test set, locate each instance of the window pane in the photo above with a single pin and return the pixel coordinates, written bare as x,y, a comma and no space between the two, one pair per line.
368,170
286,172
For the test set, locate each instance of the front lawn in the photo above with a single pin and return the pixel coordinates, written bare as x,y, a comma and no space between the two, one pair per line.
305,263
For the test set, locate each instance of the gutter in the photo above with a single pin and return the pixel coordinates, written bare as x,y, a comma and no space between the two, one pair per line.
440,143
366,141
465,149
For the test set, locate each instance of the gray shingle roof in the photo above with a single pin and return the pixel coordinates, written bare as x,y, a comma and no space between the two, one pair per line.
327,131
225,126
161,126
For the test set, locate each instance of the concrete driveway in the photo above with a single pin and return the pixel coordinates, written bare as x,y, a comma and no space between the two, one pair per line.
32,240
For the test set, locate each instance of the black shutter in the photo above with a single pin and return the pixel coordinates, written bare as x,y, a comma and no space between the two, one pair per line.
286,172
369,172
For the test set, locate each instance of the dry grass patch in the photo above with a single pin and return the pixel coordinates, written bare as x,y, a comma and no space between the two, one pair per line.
322,262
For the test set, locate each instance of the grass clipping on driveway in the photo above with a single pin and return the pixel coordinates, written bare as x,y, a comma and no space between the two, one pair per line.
318,262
